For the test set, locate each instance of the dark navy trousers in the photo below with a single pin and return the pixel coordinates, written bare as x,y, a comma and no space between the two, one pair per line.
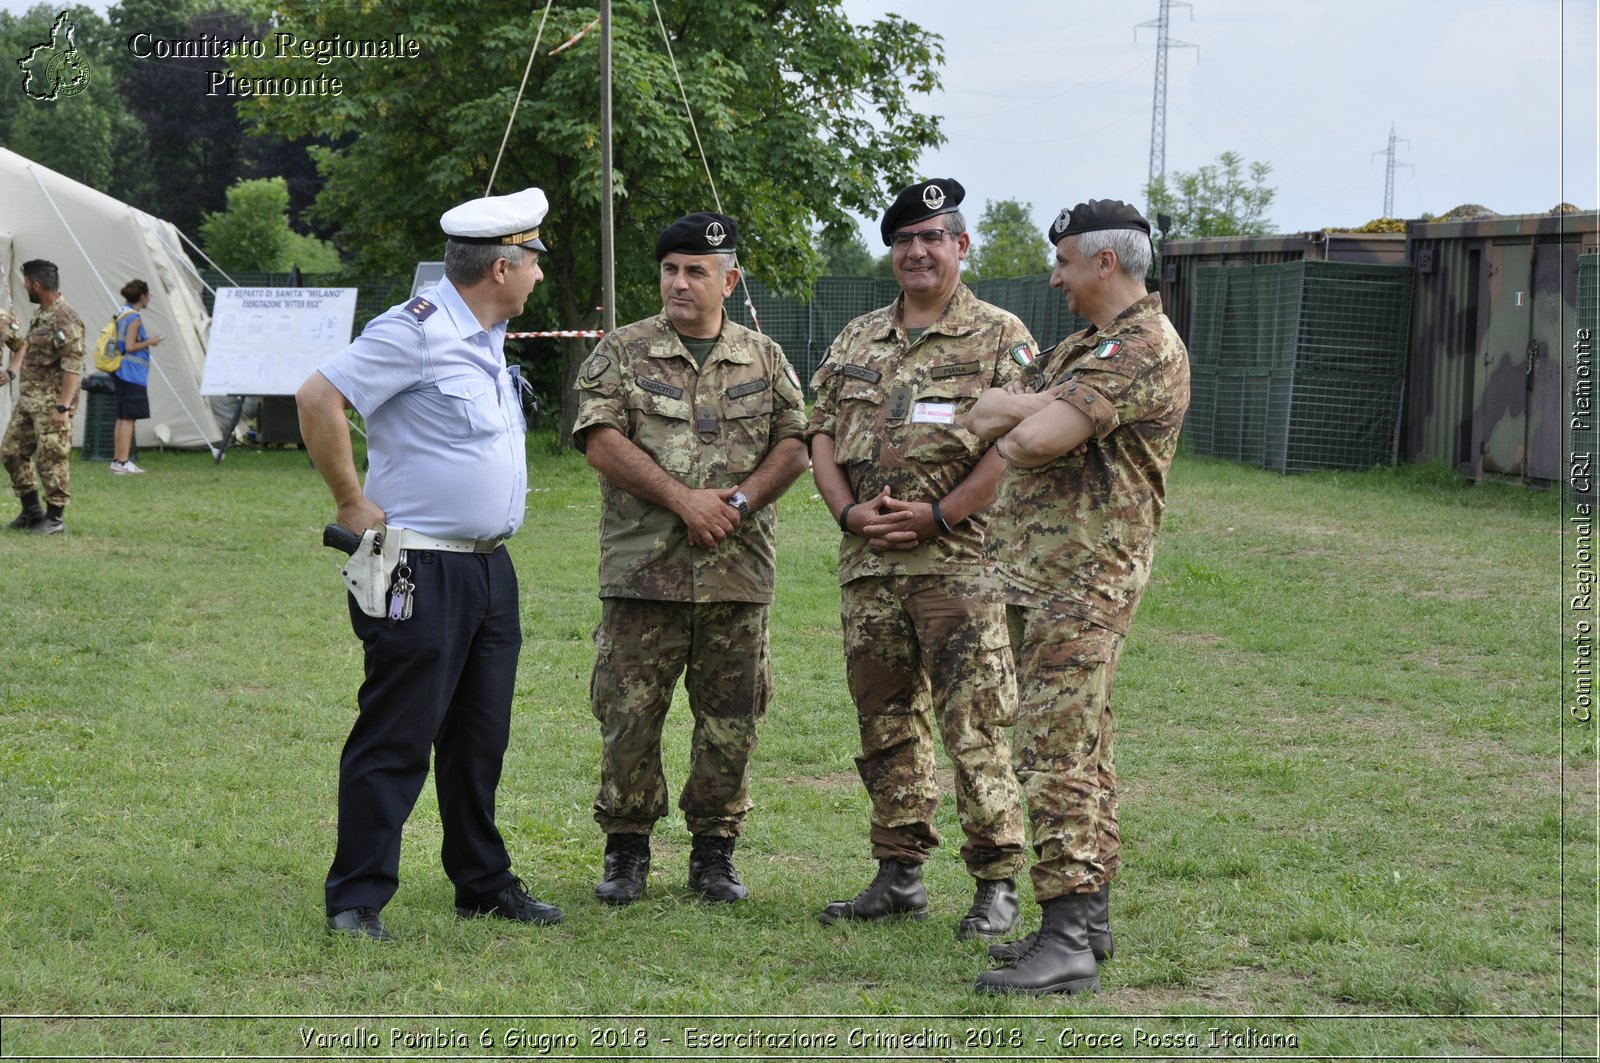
442,680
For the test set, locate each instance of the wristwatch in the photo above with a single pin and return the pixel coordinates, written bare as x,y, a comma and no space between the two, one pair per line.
741,503
62,409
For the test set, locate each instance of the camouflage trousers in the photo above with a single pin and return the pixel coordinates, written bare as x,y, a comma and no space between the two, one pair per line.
916,648
1063,741
641,647
29,436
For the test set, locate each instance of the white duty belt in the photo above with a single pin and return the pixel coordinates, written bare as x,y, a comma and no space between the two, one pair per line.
412,540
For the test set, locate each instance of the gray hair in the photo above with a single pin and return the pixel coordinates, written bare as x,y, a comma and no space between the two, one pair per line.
1132,249
955,223
466,264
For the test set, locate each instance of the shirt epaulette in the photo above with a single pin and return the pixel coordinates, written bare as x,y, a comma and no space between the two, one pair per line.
419,309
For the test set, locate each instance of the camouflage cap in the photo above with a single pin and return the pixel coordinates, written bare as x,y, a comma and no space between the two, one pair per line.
919,202
1095,216
701,233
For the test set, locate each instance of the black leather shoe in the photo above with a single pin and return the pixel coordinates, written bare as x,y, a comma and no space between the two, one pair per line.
896,890
1059,961
21,521
362,922
1099,932
993,912
627,869
711,871
512,903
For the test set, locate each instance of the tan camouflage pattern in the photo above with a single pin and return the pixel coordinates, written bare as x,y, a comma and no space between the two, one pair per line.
11,333
920,648
1063,748
723,420
55,348
968,350
1077,535
641,647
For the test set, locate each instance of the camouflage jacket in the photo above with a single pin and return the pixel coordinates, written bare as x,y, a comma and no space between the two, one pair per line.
11,333
707,427
55,348
896,412
1077,534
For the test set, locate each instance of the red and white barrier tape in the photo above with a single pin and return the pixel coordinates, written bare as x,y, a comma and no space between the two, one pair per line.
575,38
587,334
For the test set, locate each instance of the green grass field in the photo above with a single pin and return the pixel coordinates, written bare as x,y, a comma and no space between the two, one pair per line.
1352,823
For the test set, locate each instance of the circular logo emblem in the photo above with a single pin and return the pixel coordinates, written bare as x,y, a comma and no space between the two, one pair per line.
66,74
933,197
715,234
1063,220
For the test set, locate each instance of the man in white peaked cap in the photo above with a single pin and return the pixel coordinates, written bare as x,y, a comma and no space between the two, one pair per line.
439,619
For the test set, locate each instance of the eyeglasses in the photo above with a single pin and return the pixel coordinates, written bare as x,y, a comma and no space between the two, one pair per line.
929,238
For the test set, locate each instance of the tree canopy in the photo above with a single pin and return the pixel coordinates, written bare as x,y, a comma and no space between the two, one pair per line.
254,234
1007,243
803,116
1215,200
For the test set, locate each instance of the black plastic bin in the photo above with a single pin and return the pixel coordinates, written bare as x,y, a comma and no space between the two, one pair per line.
99,421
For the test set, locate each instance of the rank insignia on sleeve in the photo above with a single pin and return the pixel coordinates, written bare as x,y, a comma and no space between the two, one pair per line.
1107,348
1022,354
794,378
420,308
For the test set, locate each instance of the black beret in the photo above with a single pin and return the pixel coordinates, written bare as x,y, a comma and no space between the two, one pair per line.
702,233
919,202
1095,216
37,265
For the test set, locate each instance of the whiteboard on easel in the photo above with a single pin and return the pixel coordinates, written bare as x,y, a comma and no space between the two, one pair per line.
266,341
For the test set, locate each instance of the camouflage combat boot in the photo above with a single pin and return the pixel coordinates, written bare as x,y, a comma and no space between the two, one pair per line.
627,869
1058,961
1099,932
711,872
32,512
896,890
993,912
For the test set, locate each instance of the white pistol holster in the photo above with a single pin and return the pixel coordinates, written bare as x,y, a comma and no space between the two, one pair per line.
370,569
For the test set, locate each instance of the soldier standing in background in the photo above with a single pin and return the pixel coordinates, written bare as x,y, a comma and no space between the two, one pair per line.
695,424
1076,517
51,368
924,627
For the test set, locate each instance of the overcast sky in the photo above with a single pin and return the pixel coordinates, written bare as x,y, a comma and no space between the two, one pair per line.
1049,101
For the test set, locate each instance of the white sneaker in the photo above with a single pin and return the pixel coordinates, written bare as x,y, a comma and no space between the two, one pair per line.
126,468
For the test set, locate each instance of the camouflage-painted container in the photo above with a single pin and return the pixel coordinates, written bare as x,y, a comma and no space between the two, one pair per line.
1182,261
1494,317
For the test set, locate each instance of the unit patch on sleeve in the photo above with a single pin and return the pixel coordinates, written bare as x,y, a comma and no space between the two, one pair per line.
1022,354
1107,348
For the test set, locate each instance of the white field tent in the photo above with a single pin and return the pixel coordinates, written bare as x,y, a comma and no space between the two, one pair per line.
101,243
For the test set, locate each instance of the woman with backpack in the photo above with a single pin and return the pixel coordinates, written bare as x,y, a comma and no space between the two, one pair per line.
132,377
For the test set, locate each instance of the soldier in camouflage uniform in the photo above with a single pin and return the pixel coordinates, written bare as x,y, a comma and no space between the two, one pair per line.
924,627
1076,516
695,425
50,369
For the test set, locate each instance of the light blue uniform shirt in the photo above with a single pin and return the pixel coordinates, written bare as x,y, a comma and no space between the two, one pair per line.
445,429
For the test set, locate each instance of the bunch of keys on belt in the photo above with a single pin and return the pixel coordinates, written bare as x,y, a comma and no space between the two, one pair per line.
400,593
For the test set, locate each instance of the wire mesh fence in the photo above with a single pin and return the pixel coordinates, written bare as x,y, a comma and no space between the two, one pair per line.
1299,366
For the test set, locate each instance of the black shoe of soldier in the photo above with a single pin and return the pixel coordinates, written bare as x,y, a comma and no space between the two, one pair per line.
711,871
1059,961
511,903
627,869
896,890
47,525
362,922
993,912
1099,933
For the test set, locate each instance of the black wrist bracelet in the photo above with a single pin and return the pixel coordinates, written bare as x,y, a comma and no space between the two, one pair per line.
938,518
844,518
